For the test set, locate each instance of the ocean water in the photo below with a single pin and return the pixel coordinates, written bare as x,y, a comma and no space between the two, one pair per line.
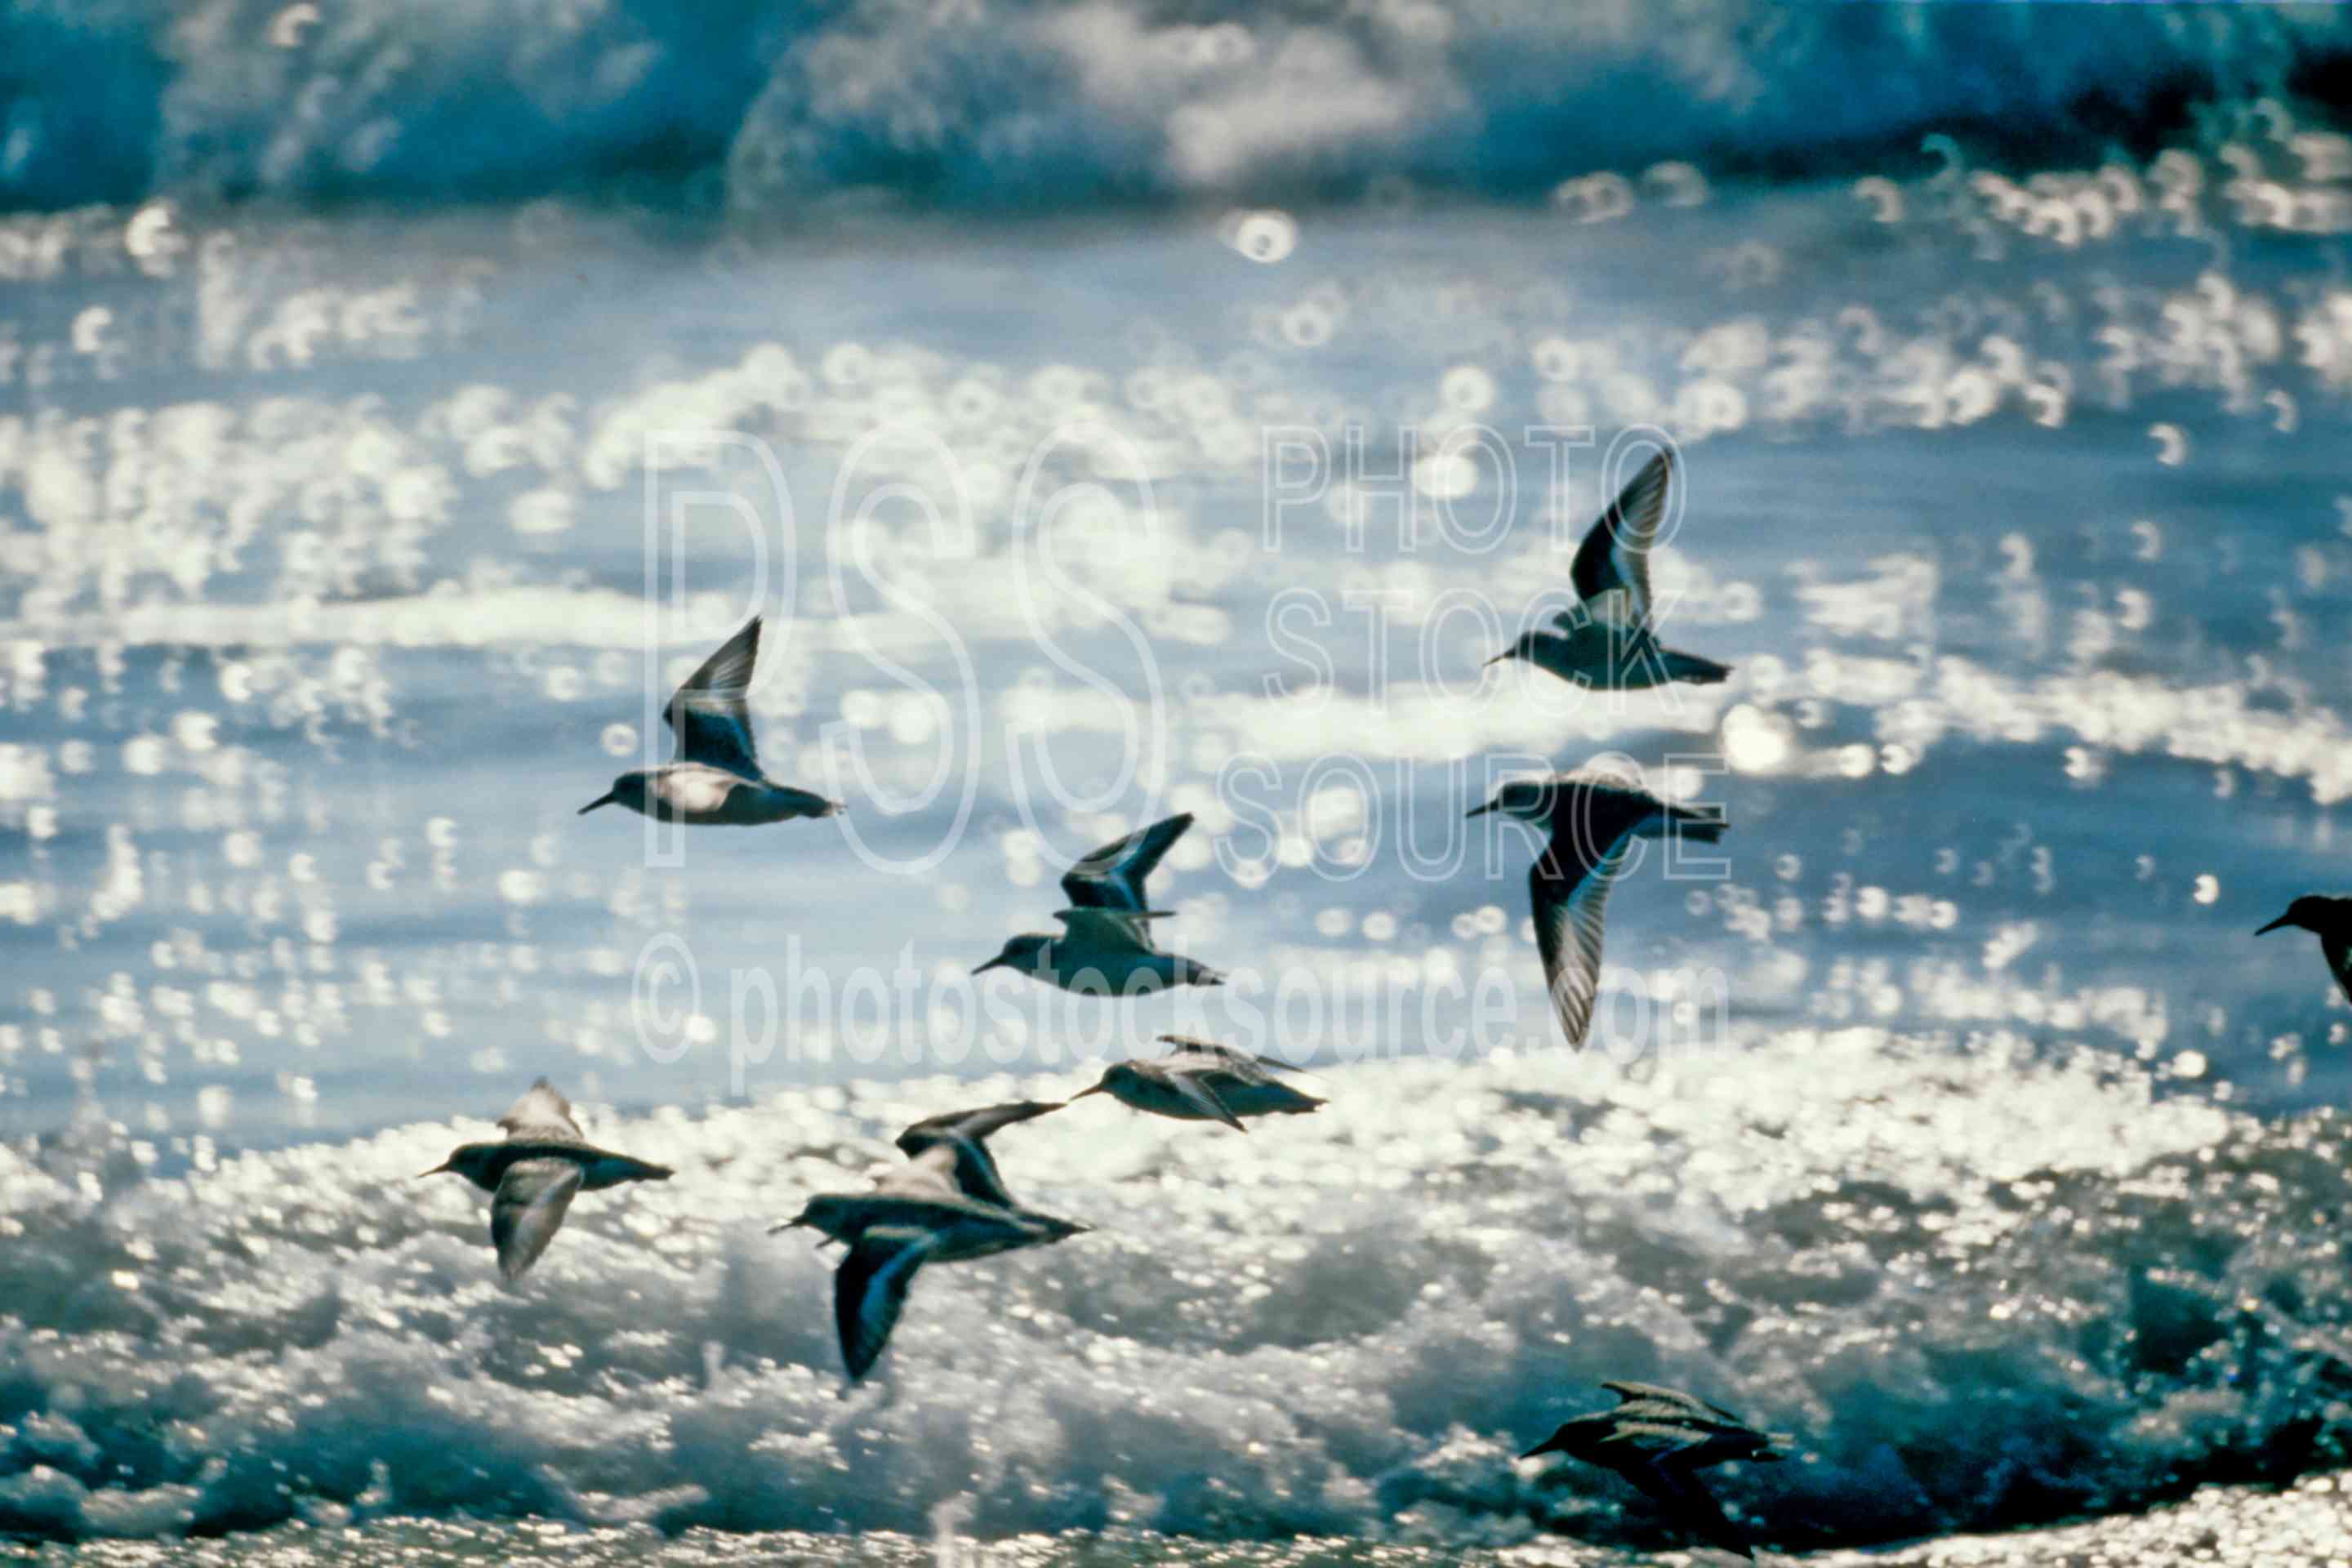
1103,439
1982,1287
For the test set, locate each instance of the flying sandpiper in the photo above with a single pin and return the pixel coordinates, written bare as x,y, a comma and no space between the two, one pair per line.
1106,946
535,1171
947,1204
1607,639
2331,920
1589,826
715,779
1658,1438
1200,1081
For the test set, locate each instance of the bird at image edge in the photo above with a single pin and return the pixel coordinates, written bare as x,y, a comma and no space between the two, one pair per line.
2331,921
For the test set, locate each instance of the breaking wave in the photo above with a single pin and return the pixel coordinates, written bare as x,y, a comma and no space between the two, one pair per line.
1066,106
1984,1288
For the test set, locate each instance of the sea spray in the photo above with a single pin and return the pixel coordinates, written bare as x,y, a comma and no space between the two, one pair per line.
1982,1288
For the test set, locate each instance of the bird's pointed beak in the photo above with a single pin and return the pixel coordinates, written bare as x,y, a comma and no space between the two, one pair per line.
1549,1446
606,799
1091,1089
1478,811
1500,657
2273,926
779,1229
996,963
443,1166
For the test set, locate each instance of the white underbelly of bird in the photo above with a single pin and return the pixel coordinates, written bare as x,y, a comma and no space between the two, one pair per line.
1616,660
697,794
1119,972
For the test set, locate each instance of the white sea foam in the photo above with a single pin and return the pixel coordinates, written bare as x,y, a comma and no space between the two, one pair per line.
1983,1285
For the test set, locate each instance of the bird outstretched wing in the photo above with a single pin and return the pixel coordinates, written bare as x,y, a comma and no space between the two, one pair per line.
1109,929
1199,1095
870,1286
1630,1391
2336,948
963,1134
542,1114
528,1210
1203,1054
711,713
1568,892
1669,1482
1614,559
1112,876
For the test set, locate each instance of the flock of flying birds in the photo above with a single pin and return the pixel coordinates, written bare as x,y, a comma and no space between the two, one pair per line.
948,1201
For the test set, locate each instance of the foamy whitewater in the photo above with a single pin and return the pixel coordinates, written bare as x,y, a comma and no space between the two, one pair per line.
384,393
1984,1288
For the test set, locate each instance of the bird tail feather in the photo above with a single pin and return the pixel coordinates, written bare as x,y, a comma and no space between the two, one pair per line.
1697,670
1697,827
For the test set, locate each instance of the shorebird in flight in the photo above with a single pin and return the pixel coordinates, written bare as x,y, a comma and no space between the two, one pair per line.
946,1204
1199,1081
715,779
1658,1438
1106,946
534,1173
1589,828
1607,639
2331,920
